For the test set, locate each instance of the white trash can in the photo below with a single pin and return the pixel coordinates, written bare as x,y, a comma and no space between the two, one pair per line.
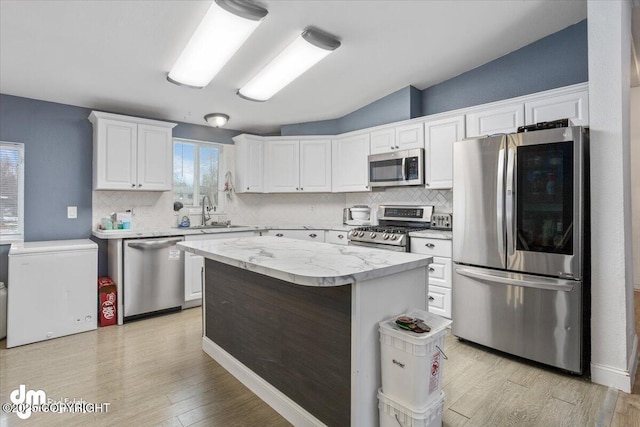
394,414
411,363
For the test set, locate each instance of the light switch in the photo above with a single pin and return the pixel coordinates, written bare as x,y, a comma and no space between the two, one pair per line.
72,212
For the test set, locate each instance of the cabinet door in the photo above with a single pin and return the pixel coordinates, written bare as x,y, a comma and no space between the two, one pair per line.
574,106
383,141
116,155
193,272
410,136
505,119
282,166
249,159
315,166
349,164
439,138
155,158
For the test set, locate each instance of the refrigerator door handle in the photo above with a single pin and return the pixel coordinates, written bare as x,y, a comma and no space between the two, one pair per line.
500,203
510,200
517,279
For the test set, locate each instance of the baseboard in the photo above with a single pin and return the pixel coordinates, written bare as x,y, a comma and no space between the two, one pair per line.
273,397
614,377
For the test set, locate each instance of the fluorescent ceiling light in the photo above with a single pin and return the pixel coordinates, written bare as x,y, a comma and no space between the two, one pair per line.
225,27
216,120
305,51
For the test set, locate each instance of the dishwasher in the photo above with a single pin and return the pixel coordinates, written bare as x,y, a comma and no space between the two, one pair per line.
153,276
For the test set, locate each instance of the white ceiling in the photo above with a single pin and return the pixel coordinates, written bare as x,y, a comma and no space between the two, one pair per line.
114,55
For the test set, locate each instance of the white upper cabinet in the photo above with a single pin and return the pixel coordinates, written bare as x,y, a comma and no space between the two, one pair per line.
315,165
439,138
403,137
383,140
349,164
298,166
249,160
410,136
282,166
573,105
493,120
130,153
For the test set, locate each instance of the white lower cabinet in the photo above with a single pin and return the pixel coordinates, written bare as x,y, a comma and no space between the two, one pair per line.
311,235
440,272
194,265
336,237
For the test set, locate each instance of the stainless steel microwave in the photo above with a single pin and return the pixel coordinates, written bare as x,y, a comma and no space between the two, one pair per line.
403,167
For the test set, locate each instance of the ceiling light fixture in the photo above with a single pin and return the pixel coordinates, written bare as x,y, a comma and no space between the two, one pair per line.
216,120
305,51
225,27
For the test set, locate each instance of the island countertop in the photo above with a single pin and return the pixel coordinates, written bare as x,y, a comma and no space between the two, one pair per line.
306,263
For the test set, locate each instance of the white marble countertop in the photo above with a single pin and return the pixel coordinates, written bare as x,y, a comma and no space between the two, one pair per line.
306,263
175,231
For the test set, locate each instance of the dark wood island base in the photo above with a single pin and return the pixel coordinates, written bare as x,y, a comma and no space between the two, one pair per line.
297,338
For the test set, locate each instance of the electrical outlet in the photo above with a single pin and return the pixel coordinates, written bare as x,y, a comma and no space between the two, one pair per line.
72,212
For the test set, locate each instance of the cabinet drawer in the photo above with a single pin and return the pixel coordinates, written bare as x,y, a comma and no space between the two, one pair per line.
433,247
440,272
313,235
440,301
336,237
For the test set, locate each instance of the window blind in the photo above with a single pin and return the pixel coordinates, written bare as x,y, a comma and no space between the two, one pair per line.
11,191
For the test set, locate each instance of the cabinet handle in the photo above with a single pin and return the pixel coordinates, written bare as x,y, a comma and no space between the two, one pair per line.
392,147
133,185
301,189
431,269
279,235
431,298
297,189
430,245
366,186
313,235
397,146
139,185
340,236
247,188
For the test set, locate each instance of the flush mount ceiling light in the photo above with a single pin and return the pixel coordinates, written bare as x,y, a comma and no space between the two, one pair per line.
216,120
225,27
305,51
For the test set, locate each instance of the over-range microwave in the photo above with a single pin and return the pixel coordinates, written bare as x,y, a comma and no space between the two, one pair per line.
403,167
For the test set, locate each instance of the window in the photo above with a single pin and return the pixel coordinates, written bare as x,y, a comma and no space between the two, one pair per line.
11,192
196,172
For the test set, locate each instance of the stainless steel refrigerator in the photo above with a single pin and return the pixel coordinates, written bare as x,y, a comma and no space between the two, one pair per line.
519,244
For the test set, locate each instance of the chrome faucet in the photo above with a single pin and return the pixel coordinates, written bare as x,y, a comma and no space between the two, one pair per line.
209,207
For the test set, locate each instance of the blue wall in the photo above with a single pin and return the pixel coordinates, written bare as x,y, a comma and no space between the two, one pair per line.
557,60
554,61
402,104
58,142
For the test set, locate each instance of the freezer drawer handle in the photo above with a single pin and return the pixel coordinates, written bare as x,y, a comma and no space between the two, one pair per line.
395,362
552,285
155,244
430,245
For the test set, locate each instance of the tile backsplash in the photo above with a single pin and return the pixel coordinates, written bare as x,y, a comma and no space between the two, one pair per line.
154,210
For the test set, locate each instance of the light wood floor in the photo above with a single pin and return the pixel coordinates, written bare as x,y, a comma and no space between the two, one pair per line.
153,372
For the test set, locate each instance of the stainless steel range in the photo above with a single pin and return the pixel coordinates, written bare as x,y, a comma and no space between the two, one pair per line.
395,224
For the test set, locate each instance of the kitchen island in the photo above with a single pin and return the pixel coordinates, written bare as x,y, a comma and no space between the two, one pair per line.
297,321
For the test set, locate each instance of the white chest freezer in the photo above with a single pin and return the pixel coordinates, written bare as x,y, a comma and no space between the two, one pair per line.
52,290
